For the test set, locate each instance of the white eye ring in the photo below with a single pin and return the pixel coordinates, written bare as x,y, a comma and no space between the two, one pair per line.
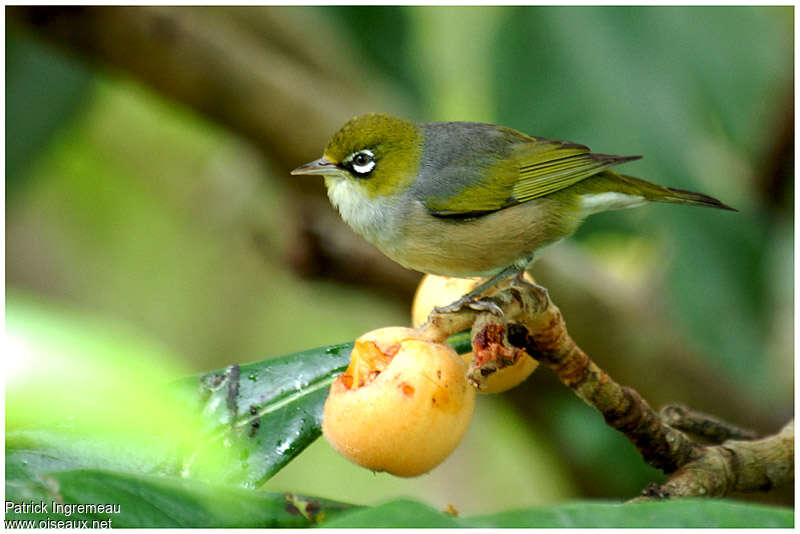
368,163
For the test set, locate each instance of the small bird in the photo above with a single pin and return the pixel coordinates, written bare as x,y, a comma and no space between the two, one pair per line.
468,199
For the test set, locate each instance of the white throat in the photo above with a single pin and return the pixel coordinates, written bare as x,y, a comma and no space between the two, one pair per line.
372,218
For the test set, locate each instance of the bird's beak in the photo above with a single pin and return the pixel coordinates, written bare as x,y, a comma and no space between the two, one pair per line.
318,166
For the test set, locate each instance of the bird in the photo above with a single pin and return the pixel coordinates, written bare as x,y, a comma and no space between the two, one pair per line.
470,199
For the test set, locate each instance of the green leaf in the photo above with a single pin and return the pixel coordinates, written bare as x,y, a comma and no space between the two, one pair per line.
268,411
461,342
684,513
688,513
238,425
401,513
158,502
91,393
63,466
31,454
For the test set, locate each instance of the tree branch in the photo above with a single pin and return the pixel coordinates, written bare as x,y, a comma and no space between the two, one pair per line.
705,426
733,466
533,323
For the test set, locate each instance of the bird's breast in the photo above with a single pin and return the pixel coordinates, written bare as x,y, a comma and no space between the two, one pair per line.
403,229
484,245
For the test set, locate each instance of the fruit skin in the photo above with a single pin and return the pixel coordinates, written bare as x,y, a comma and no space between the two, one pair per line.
439,290
408,418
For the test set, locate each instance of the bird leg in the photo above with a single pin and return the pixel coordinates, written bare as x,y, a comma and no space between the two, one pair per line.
471,300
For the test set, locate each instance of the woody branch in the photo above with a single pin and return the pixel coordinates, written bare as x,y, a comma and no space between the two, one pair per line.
533,324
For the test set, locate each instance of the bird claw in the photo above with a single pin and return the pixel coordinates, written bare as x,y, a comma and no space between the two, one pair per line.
481,305
519,282
487,305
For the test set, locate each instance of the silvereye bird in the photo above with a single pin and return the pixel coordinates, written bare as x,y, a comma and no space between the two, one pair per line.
467,199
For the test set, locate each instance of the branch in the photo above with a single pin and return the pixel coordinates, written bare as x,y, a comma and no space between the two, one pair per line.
703,425
533,323
734,466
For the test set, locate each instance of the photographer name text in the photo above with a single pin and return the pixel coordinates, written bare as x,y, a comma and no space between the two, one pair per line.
62,509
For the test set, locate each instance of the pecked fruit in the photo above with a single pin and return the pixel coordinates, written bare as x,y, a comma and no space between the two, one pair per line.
438,290
403,404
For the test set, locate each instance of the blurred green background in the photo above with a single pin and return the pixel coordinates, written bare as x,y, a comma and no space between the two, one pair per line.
146,187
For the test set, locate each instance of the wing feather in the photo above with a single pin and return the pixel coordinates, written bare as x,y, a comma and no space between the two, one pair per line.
551,166
526,169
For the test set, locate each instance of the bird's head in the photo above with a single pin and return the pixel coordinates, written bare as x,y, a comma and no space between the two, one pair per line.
375,155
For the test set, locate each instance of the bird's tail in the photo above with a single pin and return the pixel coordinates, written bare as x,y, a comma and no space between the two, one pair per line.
658,193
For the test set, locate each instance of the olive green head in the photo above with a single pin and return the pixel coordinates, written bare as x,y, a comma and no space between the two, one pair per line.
377,153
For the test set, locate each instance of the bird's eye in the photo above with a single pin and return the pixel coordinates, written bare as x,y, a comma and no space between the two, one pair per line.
361,159
363,162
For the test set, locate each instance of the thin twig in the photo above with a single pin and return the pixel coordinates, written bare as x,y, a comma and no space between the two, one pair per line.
708,427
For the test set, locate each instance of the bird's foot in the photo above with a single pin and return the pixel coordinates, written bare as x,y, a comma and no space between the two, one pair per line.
481,305
519,282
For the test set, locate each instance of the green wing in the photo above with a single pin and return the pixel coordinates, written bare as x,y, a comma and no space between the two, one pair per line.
532,169
550,166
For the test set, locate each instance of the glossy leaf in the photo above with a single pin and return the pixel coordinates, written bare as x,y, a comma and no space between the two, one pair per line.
665,514
401,513
32,454
268,411
167,502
